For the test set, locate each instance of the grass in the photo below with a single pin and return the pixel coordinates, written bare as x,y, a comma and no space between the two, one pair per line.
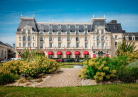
66,66
113,90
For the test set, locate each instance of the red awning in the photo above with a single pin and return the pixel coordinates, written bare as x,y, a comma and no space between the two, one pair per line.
59,53
86,53
68,53
77,53
94,55
107,55
50,53
19,56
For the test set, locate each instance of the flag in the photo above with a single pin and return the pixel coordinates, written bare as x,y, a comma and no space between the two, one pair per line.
30,48
97,48
64,47
73,47
20,49
110,48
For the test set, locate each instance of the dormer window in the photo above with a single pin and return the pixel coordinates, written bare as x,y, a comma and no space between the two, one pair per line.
97,31
24,31
50,32
115,36
85,26
51,26
59,26
67,26
85,31
41,32
115,27
29,32
41,26
77,26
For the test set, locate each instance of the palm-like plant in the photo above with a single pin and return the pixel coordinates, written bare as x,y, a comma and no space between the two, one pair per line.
126,46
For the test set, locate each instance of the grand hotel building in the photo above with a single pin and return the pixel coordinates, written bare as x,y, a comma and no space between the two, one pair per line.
69,39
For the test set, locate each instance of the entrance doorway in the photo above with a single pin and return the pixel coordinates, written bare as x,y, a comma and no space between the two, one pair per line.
100,54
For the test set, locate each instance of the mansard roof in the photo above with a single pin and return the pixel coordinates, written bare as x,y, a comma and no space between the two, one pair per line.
131,34
112,26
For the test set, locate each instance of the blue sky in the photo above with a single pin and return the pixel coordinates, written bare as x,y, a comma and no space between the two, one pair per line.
124,11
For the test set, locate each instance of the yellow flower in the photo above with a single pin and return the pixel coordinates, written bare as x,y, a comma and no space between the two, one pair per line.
102,74
104,62
96,77
106,68
79,74
82,76
114,71
84,71
107,77
98,73
112,75
100,78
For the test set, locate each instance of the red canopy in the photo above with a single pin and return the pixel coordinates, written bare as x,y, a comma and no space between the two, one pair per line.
68,53
50,53
19,56
86,53
107,55
94,55
77,53
59,53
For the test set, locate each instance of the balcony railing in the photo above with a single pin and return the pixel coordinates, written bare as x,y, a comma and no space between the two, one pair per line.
101,47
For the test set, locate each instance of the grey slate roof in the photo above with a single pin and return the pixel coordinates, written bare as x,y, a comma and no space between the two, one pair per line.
5,44
131,34
28,22
90,27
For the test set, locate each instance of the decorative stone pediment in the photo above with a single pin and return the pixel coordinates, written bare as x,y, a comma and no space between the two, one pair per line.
100,27
27,27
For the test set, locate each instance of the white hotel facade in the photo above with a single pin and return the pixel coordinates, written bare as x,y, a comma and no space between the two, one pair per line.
69,39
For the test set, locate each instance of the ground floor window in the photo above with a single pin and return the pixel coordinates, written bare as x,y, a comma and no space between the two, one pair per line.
50,56
68,56
86,56
59,56
77,56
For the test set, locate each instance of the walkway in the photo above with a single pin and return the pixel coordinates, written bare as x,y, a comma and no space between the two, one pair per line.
65,77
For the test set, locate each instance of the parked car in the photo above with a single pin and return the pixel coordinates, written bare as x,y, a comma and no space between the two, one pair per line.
81,60
69,60
59,60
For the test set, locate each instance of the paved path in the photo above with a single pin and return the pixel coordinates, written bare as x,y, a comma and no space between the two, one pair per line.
64,78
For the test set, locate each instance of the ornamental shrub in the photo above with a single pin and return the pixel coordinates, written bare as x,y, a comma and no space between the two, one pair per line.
6,78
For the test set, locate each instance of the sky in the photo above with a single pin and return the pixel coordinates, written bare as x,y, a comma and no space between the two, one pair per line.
124,11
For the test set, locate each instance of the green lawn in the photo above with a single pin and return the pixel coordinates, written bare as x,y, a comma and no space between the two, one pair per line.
113,90
71,63
66,66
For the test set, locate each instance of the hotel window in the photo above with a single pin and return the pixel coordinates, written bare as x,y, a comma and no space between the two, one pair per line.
29,32
93,38
86,45
102,44
68,45
24,31
24,38
115,27
29,39
29,44
68,32
77,45
85,31
67,26
50,38
106,44
77,56
98,44
41,32
59,26
115,44
50,45
33,37
59,32
41,26
59,38
59,56
93,51
97,38
50,32
24,44
97,31
41,38
41,45
77,32
50,56
86,56
77,38
50,26
85,26
102,31
106,37
106,51
68,38
59,45
20,38
33,44
115,36
68,56
102,38
85,38
93,44
19,44
2,54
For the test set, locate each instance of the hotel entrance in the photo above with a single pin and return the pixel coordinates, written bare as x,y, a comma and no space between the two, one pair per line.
100,54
